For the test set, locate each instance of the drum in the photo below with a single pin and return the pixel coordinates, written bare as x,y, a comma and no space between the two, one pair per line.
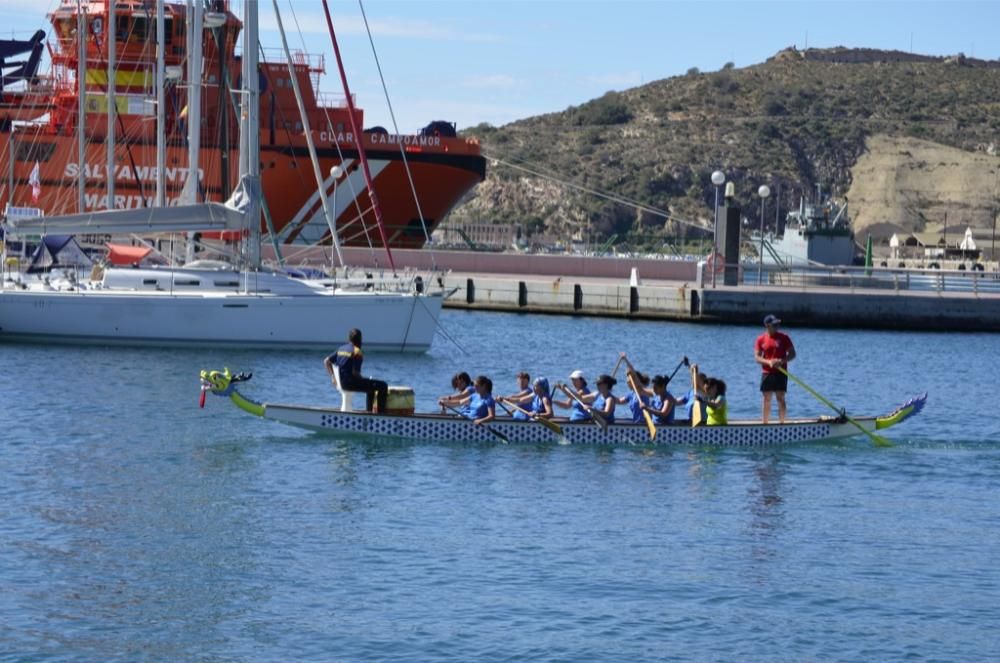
400,400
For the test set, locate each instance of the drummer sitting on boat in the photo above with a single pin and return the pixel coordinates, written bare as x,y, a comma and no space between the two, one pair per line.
347,362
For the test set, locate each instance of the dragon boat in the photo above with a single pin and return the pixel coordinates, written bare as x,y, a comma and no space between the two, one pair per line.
401,423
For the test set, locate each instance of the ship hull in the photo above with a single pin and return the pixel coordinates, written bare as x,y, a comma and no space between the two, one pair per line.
441,179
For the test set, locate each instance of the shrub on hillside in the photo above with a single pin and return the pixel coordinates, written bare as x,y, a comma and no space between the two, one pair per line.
606,110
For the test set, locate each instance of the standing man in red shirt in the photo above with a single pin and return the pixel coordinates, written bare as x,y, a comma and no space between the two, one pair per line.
771,350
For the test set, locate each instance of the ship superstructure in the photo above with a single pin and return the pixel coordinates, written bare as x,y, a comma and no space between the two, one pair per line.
39,120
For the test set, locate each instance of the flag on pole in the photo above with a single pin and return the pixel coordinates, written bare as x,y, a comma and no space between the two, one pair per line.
36,184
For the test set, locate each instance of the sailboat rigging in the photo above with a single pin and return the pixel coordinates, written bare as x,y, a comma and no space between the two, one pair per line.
206,305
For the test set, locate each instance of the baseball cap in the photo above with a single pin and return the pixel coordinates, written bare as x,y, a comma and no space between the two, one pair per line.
576,374
772,320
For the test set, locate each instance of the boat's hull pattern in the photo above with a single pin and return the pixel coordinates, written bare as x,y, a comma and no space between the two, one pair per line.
454,429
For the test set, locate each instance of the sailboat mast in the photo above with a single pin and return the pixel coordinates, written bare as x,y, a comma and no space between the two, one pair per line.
161,107
109,138
223,96
189,196
358,139
81,108
250,127
320,183
194,34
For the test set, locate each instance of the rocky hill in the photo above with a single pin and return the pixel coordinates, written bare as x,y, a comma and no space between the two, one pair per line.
905,137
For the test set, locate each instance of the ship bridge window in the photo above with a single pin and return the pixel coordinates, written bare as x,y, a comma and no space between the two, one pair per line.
34,151
187,282
123,24
140,30
227,284
66,27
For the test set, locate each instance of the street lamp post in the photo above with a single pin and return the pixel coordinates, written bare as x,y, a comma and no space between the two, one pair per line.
993,243
718,179
764,191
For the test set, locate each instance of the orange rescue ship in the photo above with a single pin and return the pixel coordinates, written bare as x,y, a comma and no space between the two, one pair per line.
39,122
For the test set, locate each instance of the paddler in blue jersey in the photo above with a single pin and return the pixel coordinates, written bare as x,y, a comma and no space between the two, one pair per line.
480,406
523,398
688,400
605,401
661,403
347,362
641,382
462,384
584,397
541,402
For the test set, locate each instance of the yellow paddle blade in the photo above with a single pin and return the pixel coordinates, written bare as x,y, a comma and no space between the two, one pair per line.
551,425
697,411
697,415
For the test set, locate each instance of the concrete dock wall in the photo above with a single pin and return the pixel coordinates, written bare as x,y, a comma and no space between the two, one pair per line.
912,310
738,305
568,296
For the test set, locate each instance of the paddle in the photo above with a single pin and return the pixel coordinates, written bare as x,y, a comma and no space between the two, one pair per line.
649,418
615,372
697,413
551,425
683,362
596,416
503,438
878,440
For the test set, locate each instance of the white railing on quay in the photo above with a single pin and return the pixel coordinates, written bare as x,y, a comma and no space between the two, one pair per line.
879,280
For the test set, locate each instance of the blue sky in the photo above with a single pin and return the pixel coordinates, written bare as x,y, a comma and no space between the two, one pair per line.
477,61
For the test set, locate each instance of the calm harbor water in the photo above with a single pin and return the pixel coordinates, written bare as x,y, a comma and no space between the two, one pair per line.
135,526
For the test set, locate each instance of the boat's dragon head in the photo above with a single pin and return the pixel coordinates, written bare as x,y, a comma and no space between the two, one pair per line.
221,383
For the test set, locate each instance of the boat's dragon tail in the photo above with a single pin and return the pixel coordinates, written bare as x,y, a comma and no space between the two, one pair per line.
903,412
223,383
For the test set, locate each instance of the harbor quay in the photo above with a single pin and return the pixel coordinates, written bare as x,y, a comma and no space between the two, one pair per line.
682,290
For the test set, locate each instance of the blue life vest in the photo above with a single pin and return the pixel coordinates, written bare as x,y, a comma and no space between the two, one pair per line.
577,413
598,405
478,407
537,404
689,403
657,403
635,407
520,416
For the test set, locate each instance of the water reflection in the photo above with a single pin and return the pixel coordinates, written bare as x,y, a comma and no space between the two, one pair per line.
766,510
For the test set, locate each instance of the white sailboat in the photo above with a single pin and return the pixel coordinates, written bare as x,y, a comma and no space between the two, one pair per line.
203,304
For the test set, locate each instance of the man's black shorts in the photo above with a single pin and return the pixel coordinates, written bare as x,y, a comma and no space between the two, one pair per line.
773,382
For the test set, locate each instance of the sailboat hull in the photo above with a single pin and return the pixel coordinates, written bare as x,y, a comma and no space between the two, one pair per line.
391,322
